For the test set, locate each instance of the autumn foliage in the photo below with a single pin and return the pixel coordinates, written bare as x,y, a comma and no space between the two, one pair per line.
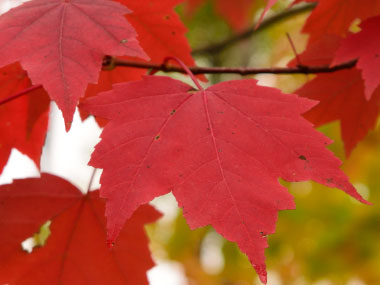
221,150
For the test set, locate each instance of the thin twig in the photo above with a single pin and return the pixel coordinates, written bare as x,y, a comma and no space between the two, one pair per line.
241,71
252,29
294,50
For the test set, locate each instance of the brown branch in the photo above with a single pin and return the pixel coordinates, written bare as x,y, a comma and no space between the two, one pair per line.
238,70
203,70
252,29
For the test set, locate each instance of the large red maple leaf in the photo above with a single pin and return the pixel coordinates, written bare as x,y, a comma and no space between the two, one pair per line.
334,17
23,121
220,151
62,43
76,251
365,46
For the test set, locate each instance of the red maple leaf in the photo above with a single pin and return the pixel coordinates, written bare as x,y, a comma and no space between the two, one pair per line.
334,17
23,121
341,96
220,151
62,43
364,45
76,251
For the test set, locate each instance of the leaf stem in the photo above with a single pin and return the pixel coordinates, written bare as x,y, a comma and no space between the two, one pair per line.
294,50
185,69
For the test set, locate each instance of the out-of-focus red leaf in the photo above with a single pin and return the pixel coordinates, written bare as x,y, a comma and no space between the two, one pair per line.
365,46
334,17
23,121
76,252
341,96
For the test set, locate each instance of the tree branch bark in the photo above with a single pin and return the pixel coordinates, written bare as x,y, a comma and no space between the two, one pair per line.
233,70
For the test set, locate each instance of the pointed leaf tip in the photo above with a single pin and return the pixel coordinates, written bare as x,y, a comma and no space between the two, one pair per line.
262,273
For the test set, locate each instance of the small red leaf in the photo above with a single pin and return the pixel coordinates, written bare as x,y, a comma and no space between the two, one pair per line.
221,152
341,96
364,45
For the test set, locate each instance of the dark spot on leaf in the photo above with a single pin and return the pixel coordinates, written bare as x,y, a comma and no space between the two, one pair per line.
376,55
329,180
148,166
167,17
157,137
173,33
263,234
302,157
172,112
